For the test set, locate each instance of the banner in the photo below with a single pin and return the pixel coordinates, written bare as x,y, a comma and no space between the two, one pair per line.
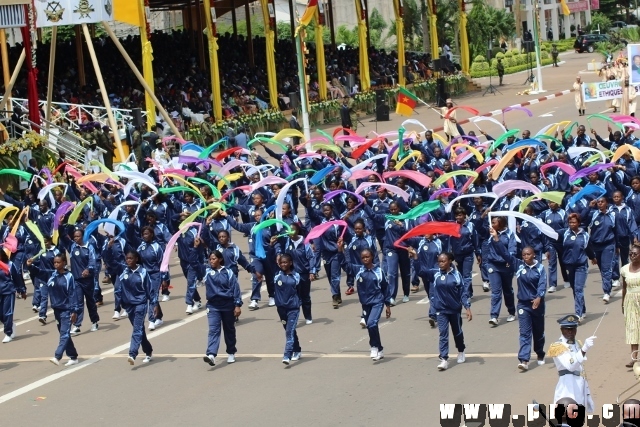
633,53
601,91
51,13
24,157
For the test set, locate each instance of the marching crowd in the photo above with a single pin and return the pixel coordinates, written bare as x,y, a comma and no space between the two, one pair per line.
392,216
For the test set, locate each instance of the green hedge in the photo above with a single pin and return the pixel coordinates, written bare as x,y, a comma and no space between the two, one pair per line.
482,69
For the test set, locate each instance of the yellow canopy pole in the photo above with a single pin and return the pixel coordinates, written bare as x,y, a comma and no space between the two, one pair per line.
365,81
271,62
397,7
147,64
322,68
433,30
464,40
212,36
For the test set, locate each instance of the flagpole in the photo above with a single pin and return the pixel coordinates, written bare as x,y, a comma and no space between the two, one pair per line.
302,78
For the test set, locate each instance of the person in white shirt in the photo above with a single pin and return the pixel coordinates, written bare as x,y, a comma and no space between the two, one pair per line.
93,154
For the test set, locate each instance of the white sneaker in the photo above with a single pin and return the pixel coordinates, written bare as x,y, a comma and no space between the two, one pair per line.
158,323
392,303
131,360
199,284
71,362
147,359
231,358
286,360
35,309
7,339
55,361
405,299
296,355
363,323
605,298
615,284
444,364
374,352
13,333
541,362
75,330
152,326
272,302
462,357
511,318
523,366
94,327
566,285
551,289
486,287
116,315
253,305
165,298
189,309
124,314
308,322
494,321
197,305
379,356
210,359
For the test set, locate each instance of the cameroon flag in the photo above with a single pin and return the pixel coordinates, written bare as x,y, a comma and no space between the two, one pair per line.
565,8
406,102
309,13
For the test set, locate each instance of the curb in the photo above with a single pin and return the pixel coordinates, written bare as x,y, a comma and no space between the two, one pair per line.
524,104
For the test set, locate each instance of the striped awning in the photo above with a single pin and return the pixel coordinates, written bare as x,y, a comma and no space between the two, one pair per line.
12,16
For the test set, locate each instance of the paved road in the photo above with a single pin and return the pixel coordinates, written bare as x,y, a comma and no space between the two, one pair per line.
334,383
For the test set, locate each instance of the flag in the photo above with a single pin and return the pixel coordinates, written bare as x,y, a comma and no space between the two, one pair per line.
309,13
406,102
127,11
565,9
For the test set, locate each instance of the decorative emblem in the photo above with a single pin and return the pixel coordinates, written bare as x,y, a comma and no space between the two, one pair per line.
521,311
84,9
54,11
108,7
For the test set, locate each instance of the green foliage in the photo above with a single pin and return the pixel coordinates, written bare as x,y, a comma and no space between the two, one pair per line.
347,36
477,73
479,67
68,32
599,19
632,35
412,25
487,23
500,55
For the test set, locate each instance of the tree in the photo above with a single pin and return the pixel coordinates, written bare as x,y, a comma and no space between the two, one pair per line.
485,23
68,32
377,25
347,36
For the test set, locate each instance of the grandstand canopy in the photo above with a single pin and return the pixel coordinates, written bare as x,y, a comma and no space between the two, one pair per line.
222,6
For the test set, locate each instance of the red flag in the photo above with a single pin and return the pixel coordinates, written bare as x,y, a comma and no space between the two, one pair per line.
448,228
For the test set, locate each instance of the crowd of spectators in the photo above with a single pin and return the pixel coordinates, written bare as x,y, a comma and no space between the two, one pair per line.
183,86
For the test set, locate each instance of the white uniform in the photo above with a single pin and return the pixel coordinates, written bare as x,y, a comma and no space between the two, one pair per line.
573,380
92,155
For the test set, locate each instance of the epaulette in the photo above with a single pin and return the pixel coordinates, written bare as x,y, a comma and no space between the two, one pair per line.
556,349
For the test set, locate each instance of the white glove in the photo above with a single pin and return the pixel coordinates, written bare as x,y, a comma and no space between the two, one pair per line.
588,343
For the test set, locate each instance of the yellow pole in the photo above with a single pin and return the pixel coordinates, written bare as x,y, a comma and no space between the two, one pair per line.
400,36
52,66
12,81
322,68
5,57
433,30
104,93
147,64
271,61
209,13
464,40
365,81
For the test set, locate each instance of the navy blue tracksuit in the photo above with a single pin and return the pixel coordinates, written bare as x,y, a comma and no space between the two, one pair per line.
464,248
604,242
61,290
303,257
9,284
288,304
576,255
223,296
501,272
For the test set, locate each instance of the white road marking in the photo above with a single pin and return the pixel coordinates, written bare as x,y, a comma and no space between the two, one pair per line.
109,353
546,115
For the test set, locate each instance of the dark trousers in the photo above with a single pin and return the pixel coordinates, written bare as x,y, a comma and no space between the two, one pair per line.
266,267
464,263
304,292
371,314
156,281
289,318
501,285
455,320
221,320
7,303
136,314
577,280
531,325
63,319
84,293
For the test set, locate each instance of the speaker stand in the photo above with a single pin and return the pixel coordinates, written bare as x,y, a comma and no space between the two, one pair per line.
491,88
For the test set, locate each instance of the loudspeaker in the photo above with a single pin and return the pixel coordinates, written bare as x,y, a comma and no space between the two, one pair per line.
382,113
437,64
351,81
441,95
137,118
528,46
294,100
381,97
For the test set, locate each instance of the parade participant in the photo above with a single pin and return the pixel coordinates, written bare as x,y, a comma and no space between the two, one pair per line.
478,217
604,241
576,251
113,254
530,235
302,257
357,242
579,96
288,305
426,259
83,267
569,356
630,274
191,254
500,68
373,293
232,255
448,296
464,248
450,123
554,54
626,228
532,286
151,253
61,289
40,270
223,307
11,285
134,289
556,218
500,270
